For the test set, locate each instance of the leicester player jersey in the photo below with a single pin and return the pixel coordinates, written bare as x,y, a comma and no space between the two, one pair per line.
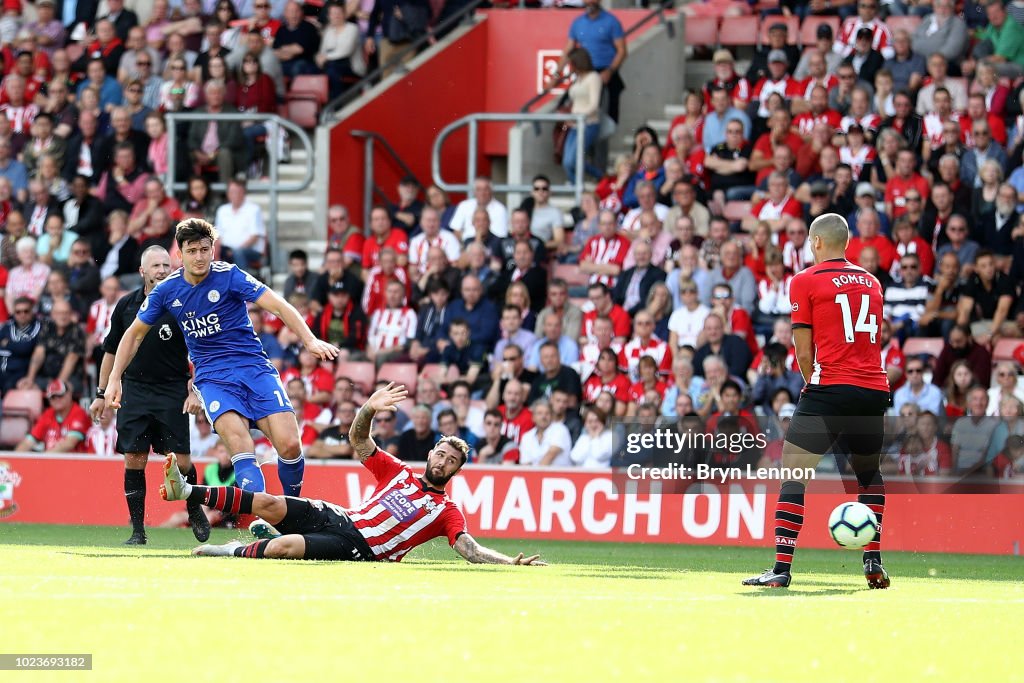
842,305
213,317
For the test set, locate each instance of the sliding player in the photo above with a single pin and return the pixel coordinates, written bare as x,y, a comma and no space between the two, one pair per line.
403,512
837,310
233,376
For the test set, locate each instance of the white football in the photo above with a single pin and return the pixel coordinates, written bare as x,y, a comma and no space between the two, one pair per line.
852,525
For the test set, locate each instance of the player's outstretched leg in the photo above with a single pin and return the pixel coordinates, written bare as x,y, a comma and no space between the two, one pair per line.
292,546
789,519
871,492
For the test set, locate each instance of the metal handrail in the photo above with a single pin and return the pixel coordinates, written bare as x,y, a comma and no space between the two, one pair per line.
272,186
397,62
370,187
473,121
659,12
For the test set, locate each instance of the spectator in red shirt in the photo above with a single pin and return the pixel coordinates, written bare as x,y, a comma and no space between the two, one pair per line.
154,197
726,77
62,427
779,134
868,226
1011,461
818,112
516,417
777,208
318,380
383,235
905,179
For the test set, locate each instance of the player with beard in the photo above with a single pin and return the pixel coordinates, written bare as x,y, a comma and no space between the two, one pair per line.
404,511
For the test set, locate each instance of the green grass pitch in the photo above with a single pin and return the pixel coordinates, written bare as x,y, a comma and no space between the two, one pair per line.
600,612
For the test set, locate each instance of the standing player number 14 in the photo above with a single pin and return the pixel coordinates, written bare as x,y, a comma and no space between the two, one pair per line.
864,323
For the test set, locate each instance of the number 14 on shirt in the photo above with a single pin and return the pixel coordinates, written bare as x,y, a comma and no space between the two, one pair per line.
864,322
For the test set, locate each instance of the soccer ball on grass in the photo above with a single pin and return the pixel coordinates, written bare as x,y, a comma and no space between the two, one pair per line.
852,525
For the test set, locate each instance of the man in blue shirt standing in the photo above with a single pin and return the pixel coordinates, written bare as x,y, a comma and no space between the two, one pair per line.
234,378
600,34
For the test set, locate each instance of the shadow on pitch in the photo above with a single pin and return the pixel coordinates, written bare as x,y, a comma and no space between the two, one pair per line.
811,593
162,555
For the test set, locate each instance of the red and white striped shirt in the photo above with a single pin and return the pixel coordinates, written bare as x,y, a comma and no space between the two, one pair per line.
847,38
21,118
933,127
867,122
810,83
865,156
785,86
603,251
805,123
403,511
99,320
421,245
390,327
377,283
796,258
629,356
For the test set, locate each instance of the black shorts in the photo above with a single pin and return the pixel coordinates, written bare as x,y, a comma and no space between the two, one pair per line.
151,416
845,419
329,533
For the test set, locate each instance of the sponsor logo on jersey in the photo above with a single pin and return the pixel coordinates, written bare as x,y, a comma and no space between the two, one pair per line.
400,507
165,332
796,307
176,304
214,406
202,326
213,296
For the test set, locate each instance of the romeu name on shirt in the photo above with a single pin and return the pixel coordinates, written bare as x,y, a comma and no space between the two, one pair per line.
841,304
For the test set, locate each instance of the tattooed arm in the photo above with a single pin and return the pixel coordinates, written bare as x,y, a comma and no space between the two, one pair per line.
384,400
475,553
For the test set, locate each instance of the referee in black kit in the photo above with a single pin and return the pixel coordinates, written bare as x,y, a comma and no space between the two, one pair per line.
158,397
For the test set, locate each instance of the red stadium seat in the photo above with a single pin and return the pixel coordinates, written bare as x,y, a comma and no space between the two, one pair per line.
361,374
701,30
13,429
909,23
809,29
400,373
571,273
309,87
304,112
406,406
736,211
1004,349
738,31
792,27
916,346
23,403
433,371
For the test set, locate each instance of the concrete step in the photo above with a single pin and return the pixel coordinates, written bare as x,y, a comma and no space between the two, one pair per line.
286,200
300,217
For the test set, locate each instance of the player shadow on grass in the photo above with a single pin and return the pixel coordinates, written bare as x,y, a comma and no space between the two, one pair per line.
811,592
161,555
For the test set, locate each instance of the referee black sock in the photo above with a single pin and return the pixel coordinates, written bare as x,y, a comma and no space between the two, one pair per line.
135,496
191,477
254,550
229,499
789,519
871,492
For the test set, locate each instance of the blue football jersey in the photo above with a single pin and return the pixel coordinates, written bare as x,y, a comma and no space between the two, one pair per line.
213,317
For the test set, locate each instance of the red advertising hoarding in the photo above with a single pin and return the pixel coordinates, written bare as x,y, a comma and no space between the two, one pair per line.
534,503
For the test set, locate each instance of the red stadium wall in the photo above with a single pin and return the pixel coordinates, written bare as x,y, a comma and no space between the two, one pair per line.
493,67
531,503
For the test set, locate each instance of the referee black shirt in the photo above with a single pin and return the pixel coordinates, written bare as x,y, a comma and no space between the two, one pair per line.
162,356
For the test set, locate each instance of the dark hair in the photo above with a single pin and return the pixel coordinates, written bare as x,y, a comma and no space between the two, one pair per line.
775,353
541,176
461,322
193,230
299,254
436,284
601,286
512,307
730,384
982,253
456,384
493,412
448,412
580,60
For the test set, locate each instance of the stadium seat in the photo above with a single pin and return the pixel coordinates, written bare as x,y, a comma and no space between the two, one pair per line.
916,346
361,374
909,23
433,371
809,29
701,31
309,87
736,211
738,31
571,273
23,403
304,112
13,429
792,27
400,373
1004,349
406,406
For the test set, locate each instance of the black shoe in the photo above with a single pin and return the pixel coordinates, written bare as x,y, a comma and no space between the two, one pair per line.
137,538
770,579
200,524
876,575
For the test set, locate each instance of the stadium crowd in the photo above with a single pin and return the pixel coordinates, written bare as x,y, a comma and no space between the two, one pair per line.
664,298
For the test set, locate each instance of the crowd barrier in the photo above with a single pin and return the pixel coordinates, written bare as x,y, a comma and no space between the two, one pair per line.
556,504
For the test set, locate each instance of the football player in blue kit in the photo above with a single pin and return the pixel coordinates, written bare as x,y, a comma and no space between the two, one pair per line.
234,378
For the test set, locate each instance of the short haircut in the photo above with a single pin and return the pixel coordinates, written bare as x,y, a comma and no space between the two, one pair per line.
729,384
194,230
832,229
461,446
299,254
447,412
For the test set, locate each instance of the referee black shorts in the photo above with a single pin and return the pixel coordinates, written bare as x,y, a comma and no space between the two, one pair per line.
845,419
327,529
151,416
